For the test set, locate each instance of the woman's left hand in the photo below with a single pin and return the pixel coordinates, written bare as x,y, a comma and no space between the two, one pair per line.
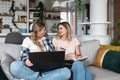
28,63
78,56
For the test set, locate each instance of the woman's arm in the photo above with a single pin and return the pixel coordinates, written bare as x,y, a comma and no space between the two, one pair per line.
55,48
54,42
24,56
47,43
77,51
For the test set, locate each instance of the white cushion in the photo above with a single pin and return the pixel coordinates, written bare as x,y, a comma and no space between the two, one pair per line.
90,49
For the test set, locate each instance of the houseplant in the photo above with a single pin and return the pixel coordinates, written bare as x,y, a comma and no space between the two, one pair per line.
79,7
40,7
12,11
117,42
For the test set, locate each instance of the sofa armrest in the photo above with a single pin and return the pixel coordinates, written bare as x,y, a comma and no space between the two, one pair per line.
5,63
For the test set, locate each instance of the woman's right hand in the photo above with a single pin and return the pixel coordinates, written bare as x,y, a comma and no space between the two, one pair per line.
28,63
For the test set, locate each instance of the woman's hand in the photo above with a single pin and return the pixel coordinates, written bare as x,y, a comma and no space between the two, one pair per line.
78,56
56,48
28,63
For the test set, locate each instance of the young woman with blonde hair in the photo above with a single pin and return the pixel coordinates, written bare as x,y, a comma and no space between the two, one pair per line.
71,45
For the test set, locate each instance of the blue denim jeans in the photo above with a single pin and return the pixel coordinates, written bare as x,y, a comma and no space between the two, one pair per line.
19,70
80,72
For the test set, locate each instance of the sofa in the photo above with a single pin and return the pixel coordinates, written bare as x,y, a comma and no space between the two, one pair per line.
91,48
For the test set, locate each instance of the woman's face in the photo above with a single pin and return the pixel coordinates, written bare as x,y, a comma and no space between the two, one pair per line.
41,32
62,30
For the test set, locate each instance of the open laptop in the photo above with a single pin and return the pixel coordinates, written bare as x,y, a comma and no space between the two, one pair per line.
45,61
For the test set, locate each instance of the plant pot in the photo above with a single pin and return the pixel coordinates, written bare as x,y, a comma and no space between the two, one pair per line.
22,30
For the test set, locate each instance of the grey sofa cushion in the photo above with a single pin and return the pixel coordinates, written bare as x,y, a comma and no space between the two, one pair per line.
14,38
8,52
11,49
103,74
5,63
90,49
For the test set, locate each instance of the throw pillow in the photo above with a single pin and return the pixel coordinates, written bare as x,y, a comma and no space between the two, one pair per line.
101,53
112,61
100,56
90,48
109,59
110,47
13,50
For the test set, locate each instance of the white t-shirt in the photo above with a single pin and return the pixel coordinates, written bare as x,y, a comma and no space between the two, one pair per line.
68,46
27,42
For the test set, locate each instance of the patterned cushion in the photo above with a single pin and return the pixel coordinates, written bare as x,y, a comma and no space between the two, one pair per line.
103,49
109,59
110,47
99,58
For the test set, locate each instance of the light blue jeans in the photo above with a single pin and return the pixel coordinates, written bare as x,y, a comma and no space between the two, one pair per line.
19,70
80,72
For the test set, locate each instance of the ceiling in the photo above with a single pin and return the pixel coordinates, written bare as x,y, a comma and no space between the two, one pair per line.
64,3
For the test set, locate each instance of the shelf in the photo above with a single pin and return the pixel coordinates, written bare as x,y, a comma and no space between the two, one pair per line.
53,19
20,10
89,23
6,0
54,11
6,15
25,34
19,22
33,9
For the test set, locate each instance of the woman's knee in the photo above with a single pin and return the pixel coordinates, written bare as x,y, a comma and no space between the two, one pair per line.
66,72
16,66
78,64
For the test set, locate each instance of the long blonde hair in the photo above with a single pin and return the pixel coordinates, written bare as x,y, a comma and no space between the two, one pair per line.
37,26
67,27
